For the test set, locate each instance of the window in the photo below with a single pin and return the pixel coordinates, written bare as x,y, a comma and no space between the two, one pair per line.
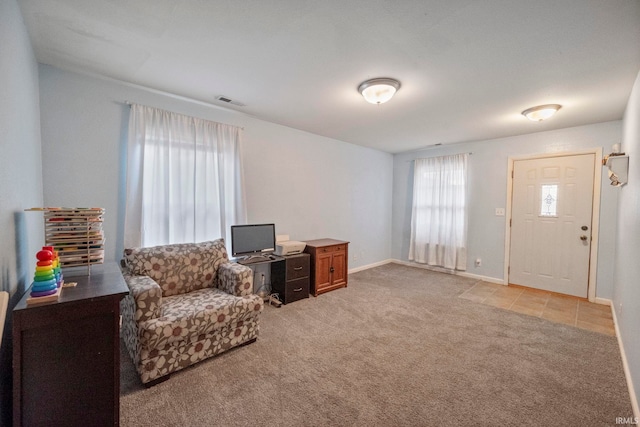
548,200
184,181
439,214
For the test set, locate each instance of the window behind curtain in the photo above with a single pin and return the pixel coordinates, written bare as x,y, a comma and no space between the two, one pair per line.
184,178
439,213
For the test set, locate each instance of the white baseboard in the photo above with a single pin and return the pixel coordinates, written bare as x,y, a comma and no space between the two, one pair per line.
604,301
368,266
625,363
446,271
479,277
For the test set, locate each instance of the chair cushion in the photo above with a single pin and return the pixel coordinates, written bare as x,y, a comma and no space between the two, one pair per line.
179,268
186,317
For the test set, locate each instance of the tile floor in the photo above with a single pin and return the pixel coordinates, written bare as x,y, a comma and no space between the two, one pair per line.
547,305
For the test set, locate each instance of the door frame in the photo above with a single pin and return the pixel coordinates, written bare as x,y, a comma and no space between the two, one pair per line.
595,216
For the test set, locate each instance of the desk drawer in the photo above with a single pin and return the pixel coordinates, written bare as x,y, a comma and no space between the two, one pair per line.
297,267
296,290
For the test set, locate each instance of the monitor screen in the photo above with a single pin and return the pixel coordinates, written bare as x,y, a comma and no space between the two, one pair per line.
253,238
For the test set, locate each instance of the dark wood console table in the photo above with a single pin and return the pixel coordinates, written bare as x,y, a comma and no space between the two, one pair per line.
66,355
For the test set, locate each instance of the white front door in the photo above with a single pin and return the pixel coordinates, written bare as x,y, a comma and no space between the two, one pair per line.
551,209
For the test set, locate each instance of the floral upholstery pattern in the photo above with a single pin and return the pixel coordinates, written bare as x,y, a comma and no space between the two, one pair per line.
179,268
184,317
235,279
187,302
159,362
147,295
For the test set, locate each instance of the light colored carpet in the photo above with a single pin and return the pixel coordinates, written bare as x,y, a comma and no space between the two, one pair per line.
395,348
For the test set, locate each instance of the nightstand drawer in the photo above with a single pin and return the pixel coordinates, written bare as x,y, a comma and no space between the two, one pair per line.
336,248
296,290
297,266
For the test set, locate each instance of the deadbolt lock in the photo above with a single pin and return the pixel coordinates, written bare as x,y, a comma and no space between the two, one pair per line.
584,228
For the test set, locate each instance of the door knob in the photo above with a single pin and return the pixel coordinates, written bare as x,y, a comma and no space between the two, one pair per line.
331,270
584,228
583,238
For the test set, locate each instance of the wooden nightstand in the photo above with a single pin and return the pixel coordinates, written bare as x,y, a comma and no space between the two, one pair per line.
329,264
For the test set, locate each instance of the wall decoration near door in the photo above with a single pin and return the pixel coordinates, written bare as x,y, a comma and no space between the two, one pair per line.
551,216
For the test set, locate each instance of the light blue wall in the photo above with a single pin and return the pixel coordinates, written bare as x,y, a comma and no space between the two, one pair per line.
21,232
314,187
626,297
309,186
20,161
487,177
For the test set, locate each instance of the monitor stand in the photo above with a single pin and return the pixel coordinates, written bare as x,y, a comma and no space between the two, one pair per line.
252,259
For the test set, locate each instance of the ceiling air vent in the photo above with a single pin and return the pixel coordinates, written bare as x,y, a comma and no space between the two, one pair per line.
229,101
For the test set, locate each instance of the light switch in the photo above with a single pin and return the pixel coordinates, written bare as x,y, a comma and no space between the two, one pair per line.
499,211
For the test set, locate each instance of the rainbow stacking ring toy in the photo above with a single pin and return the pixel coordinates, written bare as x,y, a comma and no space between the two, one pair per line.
44,279
43,293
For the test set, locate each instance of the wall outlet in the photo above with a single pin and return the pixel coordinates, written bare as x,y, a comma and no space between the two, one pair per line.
499,211
478,262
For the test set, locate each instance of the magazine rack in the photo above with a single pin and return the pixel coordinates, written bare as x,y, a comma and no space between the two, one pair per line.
76,233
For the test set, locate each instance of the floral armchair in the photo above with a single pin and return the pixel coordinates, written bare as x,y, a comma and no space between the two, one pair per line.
187,302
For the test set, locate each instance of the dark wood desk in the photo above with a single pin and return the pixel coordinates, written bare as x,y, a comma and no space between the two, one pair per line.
294,285
66,355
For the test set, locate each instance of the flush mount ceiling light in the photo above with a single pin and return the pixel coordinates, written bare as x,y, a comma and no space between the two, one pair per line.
541,112
378,91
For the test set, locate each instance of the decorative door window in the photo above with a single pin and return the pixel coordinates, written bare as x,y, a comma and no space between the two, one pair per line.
549,200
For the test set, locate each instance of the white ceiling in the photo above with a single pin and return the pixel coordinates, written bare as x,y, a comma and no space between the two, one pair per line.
467,67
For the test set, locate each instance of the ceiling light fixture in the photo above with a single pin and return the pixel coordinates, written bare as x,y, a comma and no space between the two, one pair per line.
541,112
378,91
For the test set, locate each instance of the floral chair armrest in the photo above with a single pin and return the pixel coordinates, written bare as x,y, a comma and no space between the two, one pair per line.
235,279
147,295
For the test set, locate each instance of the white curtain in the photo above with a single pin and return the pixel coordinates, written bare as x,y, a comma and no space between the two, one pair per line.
439,214
184,179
